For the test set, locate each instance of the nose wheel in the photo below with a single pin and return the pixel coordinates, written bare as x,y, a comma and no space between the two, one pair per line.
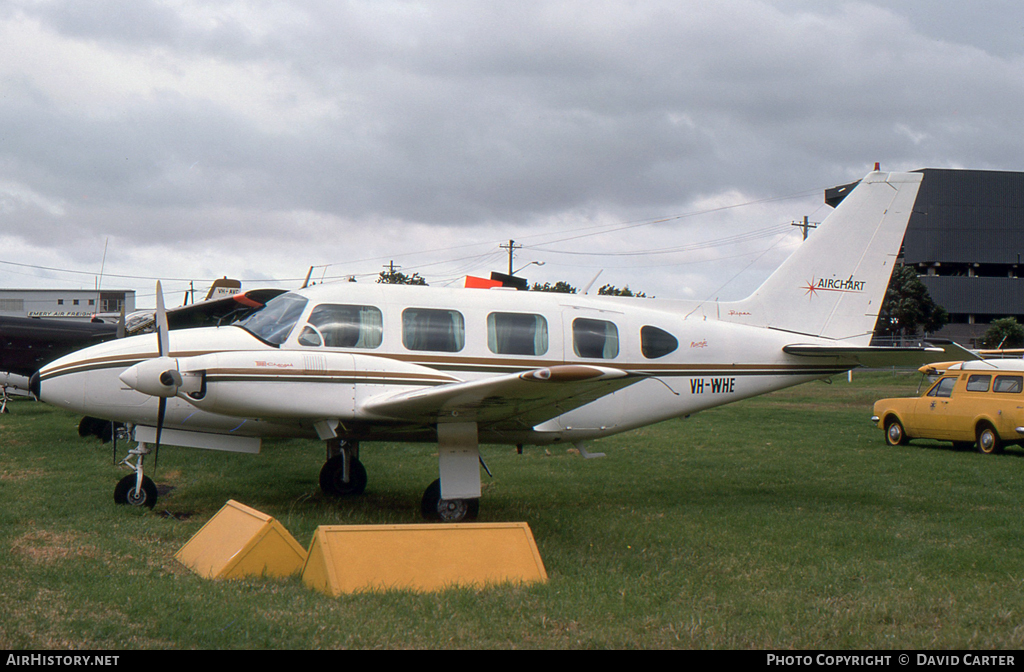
136,489
131,491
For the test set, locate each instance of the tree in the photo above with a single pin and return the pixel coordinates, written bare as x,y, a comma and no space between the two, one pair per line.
907,306
1004,333
612,290
560,286
393,277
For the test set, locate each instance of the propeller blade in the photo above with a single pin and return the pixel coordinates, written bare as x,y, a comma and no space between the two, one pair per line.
160,411
161,322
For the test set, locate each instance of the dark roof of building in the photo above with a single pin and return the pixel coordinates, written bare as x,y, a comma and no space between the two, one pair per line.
967,216
962,216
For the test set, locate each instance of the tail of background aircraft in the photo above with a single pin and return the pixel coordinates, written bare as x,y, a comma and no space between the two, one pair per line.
834,284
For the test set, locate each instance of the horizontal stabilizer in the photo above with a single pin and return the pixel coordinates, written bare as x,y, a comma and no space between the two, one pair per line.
873,357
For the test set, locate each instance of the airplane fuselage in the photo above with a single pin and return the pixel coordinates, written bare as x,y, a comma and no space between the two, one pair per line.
689,357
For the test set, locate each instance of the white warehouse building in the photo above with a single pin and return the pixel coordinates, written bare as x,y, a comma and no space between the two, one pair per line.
72,304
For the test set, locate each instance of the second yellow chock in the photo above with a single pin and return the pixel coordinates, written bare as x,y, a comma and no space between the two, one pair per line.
240,541
349,558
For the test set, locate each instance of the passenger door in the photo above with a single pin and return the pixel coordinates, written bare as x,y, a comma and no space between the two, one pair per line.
969,401
932,413
594,337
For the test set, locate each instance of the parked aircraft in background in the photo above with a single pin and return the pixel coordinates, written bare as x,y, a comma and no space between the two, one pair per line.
350,363
28,343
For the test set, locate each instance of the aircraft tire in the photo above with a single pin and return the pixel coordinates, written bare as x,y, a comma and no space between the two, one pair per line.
447,510
332,473
124,492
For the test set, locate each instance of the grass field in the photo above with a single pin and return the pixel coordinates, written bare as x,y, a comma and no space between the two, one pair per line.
779,522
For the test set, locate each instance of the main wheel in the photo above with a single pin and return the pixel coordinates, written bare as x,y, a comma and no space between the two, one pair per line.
124,492
894,434
332,477
988,440
447,510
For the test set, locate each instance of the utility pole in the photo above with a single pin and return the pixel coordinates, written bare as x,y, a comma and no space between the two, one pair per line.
805,225
511,247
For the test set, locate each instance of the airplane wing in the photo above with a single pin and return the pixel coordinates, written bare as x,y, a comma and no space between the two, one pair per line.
514,401
869,356
212,311
27,343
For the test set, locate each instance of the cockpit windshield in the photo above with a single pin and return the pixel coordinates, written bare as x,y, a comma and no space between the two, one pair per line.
274,322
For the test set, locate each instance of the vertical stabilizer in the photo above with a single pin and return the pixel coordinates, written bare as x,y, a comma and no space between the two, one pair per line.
834,284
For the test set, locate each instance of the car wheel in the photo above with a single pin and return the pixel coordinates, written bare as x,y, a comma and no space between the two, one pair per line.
988,440
894,434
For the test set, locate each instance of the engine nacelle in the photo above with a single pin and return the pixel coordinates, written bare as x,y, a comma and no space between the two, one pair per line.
293,384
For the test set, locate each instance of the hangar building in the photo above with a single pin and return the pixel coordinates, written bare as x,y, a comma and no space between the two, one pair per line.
966,239
72,304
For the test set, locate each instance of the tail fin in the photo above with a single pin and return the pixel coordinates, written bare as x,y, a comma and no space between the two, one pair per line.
834,284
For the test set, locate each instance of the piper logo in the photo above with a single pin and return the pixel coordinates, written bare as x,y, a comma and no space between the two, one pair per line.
848,286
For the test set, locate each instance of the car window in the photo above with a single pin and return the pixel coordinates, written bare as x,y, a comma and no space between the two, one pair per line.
943,388
1008,384
978,383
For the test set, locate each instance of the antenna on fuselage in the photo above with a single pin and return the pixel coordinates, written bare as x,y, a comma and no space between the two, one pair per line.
592,281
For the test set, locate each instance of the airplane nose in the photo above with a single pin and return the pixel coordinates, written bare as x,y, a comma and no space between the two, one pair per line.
34,384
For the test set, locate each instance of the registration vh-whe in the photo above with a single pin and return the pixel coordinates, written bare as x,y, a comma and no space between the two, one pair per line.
349,363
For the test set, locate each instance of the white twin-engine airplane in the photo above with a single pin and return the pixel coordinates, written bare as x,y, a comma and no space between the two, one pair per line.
351,363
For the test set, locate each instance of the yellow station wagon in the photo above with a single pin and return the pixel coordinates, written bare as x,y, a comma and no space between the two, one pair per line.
976,402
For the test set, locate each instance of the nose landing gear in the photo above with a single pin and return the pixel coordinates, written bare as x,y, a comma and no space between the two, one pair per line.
136,489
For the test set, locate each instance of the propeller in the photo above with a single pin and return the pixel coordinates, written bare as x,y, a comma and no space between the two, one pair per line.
157,377
166,377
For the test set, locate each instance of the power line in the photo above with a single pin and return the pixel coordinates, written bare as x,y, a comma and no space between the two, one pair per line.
717,242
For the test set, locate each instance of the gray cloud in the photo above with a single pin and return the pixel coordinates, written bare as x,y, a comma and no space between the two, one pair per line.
193,124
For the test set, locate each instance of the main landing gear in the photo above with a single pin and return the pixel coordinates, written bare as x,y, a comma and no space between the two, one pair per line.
447,510
453,498
343,474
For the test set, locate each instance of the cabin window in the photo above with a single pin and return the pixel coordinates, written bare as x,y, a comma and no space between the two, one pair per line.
432,329
595,339
1008,384
656,342
517,334
274,322
978,383
337,326
943,388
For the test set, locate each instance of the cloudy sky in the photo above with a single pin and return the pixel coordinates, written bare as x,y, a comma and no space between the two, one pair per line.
666,145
